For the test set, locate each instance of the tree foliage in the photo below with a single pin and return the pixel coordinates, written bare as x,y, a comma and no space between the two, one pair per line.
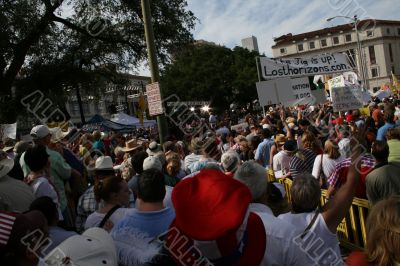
45,38
212,73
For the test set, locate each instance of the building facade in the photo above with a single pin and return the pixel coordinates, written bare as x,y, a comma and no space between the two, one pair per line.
250,43
113,99
380,42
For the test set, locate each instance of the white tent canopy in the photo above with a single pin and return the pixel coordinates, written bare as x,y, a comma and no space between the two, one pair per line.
125,119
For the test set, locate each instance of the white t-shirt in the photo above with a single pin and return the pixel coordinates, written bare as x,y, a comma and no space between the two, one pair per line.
281,164
95,218
41,187
328,165
320,244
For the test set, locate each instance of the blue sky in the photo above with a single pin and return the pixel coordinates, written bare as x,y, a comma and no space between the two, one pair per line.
226,22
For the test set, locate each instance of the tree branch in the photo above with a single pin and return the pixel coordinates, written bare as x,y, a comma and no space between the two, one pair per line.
108,39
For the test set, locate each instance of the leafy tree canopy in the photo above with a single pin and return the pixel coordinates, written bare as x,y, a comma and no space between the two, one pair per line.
212,73
41,42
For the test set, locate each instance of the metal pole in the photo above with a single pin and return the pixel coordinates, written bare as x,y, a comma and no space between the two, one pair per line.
360,60
78,96
151,53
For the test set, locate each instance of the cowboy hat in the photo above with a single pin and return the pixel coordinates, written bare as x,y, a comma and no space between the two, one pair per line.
57,134
5,166
153,149
131,145
280,139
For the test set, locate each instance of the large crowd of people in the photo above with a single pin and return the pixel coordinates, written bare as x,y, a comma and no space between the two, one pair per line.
211,197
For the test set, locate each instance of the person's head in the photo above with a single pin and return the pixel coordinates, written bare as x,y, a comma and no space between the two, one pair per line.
137,161
86,140
266,133
290,147
152,162
47,207
303,124
173,164
355,114
103,167
170,146
309,140
96,135
151,186
254,177
196,145
305,193
244,145
33,226
254,141
380,150
280,140
389,117
332,149
36,158
41,135
113,190
230,161
383,232
393,133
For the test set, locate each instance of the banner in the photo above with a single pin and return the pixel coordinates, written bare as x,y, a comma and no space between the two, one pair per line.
297,67
274,91
347,98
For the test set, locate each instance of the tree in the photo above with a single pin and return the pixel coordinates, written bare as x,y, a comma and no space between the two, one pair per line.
211,72
37,33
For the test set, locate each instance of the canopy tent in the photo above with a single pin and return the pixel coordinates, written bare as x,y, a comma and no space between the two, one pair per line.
125,119
97,122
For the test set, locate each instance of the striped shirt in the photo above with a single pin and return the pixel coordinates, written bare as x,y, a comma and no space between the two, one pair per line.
302,162
339,176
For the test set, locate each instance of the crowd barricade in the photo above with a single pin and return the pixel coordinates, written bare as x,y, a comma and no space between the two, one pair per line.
352,230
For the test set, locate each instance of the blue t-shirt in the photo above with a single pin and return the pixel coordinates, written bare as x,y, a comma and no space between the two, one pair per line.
263,152
151,223
380,136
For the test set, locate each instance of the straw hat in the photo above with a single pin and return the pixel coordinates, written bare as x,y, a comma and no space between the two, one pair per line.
131,145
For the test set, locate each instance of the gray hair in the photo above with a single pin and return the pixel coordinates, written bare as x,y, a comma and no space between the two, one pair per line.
230,161
305,193
254,176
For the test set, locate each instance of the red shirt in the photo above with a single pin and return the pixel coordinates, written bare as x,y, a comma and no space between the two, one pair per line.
357,258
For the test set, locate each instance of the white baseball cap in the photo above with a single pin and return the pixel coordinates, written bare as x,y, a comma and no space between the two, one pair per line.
94,247
152,162
39,132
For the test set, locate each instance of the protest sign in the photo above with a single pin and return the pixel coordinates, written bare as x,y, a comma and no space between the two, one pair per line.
154,99
274,91
347,98
297,67
301,91
240,127
365,111
8,131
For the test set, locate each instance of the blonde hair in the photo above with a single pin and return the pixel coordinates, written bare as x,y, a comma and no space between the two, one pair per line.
309,141
383,227
331,149
173,165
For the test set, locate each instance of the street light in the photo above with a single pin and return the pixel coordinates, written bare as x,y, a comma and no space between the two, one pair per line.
360,63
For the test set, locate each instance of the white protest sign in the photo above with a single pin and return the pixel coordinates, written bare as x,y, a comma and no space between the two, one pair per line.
8,131
307,66
154,99
301,91
240,127
319,96
347,98
274,91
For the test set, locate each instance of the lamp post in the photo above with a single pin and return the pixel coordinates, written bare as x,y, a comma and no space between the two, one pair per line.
361,67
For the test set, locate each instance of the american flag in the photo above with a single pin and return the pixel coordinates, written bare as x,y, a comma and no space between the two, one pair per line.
6,223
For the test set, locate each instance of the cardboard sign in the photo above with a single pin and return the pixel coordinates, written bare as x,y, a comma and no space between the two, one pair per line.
347,98
154,99
240,127
307,66
274,91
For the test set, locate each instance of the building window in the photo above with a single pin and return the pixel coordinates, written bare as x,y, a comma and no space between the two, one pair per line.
283,50
390,52
323,43
388,31
372,57
370,33
311,45
335,40
374,72
300,47
348,37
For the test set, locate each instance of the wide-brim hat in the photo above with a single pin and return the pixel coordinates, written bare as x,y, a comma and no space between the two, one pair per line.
153,149
280,139
57,134
131,145
103,163
5,166
212,213
8,148
94,247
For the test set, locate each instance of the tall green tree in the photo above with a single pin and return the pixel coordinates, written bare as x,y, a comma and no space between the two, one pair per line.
212,73
40,33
